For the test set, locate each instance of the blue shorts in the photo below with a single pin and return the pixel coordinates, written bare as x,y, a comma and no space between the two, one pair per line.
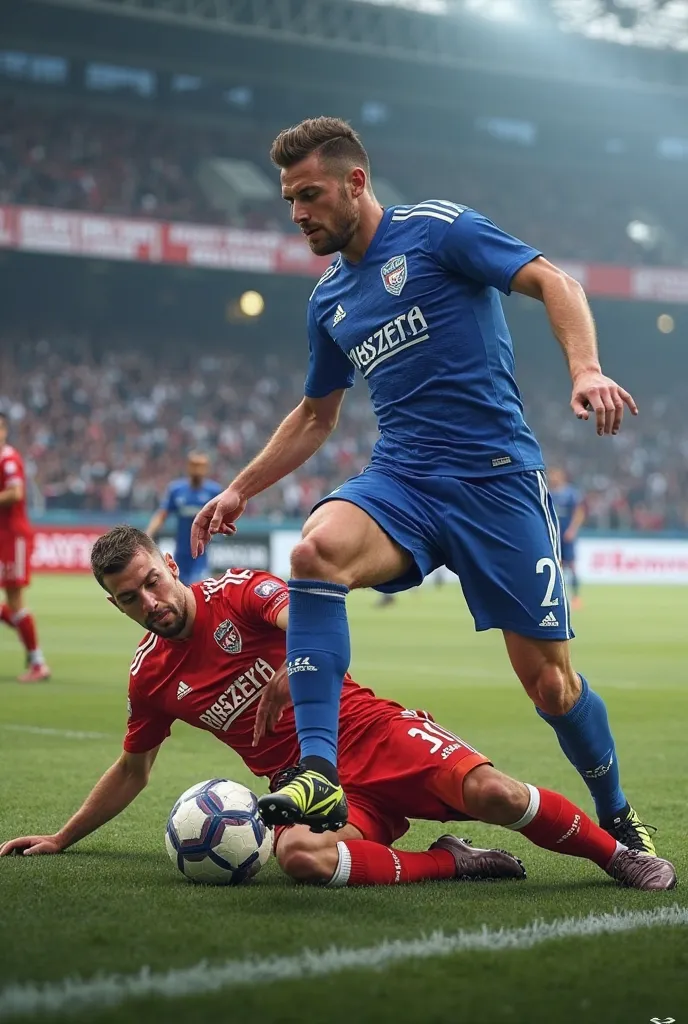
191,570
568,551
498,534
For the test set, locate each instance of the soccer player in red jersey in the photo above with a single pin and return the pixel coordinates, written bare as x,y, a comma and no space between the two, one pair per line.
16,544
214,657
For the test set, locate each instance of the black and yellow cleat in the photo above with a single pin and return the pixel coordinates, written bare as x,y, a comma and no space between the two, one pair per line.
304,797
630,831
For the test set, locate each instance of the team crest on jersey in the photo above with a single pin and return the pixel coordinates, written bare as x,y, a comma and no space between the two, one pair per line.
228,637
394,274
267,588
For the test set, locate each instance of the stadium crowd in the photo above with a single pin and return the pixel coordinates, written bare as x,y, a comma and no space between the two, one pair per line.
106,429
100,161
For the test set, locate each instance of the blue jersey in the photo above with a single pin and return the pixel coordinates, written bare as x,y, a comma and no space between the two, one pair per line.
566,500
420,317
185,501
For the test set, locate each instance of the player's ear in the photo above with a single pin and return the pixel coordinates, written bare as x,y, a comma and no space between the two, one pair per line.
357,181
171,565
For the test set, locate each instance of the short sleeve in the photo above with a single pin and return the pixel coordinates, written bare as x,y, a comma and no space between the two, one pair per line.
264,598
168,502
329,369
472,245
146,727
13,471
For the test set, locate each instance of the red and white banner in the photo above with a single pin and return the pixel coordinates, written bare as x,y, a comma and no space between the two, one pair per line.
64,548
632,560
37,229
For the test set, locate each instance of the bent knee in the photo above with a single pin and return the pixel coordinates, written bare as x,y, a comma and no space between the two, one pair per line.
553,688
491,796
303,863
318,557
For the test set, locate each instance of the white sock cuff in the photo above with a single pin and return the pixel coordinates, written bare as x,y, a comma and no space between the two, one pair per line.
16,617
531,810
340,878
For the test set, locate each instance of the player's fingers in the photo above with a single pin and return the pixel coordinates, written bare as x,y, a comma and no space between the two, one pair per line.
627,397
228,529
618,410
218,514
579,406
609,410
261,720
43,847
597,405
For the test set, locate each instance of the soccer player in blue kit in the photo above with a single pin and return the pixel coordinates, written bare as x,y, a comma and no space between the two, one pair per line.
457,478
184,499
570,508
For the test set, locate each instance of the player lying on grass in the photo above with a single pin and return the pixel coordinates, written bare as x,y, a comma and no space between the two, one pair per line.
214,657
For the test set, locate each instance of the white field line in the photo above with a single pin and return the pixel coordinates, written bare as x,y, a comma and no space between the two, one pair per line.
68,734
107,990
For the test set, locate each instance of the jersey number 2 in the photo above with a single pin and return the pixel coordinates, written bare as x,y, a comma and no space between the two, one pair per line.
548,563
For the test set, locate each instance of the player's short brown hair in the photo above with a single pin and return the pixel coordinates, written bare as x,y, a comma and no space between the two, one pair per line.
333,139
115,549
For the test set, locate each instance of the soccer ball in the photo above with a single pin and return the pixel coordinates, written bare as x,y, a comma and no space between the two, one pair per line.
214,834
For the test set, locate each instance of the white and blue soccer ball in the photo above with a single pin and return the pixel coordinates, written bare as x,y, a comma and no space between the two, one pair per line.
215,835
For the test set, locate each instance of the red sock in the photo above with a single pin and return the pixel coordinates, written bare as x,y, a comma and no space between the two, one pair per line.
374,864
6,615
26,627
560,826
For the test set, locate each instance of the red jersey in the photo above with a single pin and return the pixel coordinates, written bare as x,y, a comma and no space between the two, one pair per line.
13,518
214,678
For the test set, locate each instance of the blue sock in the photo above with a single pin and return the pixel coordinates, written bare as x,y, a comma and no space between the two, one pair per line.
318,655
586,739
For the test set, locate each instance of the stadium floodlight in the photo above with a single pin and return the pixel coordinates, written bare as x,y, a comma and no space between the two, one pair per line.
252,303
660,24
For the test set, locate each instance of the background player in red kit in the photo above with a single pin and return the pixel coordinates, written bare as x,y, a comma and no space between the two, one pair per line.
16,544
213,657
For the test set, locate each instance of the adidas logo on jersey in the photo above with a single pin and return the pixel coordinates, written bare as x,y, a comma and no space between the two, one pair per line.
300,665
550,619
339,315
182,690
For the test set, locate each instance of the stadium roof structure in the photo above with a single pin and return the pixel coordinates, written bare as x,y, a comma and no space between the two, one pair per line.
550,39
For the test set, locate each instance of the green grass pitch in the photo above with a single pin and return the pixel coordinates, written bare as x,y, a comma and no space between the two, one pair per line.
114,904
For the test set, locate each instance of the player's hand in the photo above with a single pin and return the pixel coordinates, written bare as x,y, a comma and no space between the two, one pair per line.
569,535
593,391
28,845
217,516
274,700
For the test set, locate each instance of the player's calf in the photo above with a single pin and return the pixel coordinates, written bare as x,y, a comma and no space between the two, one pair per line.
307,857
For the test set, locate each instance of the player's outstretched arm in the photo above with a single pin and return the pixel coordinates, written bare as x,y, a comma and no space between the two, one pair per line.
157,519
298,437
120,784
574,328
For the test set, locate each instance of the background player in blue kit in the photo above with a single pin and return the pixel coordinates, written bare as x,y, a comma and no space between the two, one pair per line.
184,498
457,478
570,509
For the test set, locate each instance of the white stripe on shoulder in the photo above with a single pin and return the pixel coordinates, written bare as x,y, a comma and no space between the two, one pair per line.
439,209
145,648
330,272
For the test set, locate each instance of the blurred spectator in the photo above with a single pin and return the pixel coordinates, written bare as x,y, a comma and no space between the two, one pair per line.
87,159
105,429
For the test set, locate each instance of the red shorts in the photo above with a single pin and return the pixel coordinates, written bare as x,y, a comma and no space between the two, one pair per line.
404,766
15,559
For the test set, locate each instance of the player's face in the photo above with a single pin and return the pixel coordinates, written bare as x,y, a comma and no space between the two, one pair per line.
197,469
149,592
557,478
323,204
